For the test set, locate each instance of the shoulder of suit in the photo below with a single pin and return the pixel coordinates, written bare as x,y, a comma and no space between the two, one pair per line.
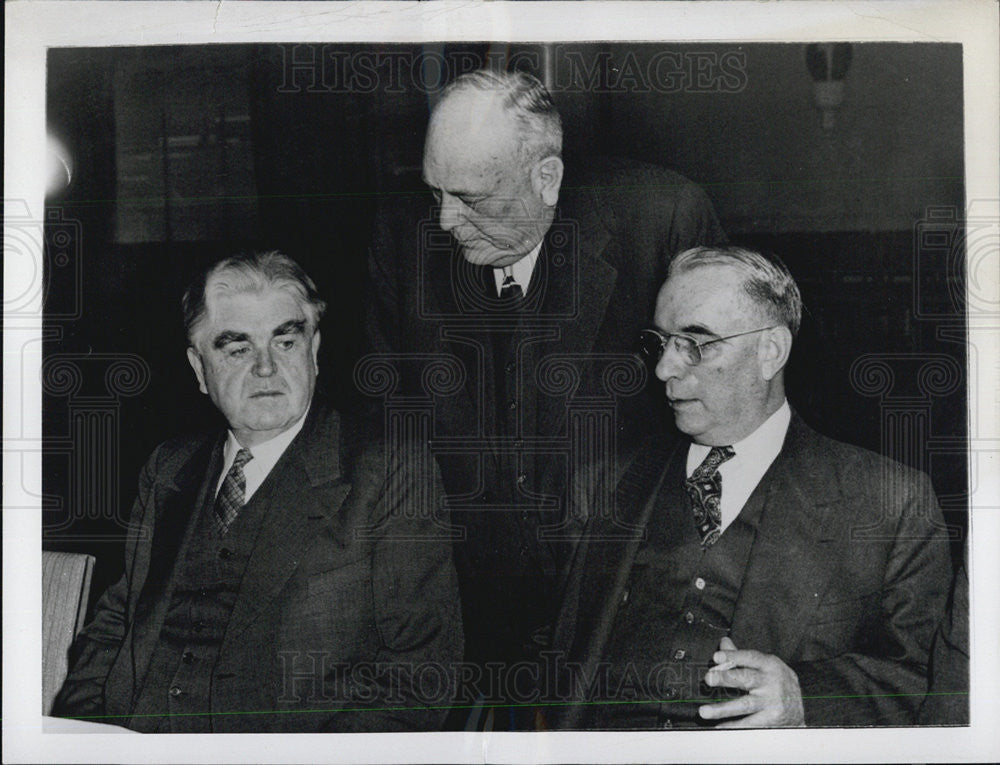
854,467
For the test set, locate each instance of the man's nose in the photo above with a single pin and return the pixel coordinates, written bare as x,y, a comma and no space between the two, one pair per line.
670,364
264,363
452,211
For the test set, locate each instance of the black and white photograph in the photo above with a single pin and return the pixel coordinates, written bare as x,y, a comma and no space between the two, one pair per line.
511,383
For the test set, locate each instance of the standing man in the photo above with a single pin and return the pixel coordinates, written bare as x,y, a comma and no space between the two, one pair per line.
273,581
774,577
534,286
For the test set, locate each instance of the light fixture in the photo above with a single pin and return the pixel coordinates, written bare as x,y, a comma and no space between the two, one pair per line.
828,64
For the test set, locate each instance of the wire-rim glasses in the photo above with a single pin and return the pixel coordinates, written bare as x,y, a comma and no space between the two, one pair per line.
653,344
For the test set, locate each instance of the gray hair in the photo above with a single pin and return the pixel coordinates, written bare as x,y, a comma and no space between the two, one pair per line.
766,280
526,99
252,272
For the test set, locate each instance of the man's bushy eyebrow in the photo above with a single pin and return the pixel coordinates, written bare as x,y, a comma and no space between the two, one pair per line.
293,327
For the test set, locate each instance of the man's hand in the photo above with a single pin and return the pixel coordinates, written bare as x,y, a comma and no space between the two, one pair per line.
773,698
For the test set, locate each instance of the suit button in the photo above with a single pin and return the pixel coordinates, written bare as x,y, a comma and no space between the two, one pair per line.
519,444
510,367
199,625
175,691
521,479
699,583
689,617
188,657
669,693
625,595
512,405
667,724
679,654
225,553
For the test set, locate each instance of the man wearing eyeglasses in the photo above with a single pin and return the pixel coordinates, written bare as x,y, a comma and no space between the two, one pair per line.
758,574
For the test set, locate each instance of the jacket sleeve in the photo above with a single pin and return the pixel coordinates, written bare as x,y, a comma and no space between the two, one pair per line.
97,646
416,605
884,681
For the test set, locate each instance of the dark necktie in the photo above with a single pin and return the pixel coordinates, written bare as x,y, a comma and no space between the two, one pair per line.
510,289
230,497
705,489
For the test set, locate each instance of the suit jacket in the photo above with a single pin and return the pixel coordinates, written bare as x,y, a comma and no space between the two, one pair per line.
617,226
340,581
846,580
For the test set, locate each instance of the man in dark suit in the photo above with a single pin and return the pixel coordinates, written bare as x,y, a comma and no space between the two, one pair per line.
273,580
757,574
529,291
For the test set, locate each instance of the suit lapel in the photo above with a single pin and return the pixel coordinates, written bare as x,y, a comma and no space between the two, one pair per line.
178,502
306,494
580,292
799,527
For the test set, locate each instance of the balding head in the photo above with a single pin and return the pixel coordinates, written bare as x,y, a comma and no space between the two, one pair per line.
492,159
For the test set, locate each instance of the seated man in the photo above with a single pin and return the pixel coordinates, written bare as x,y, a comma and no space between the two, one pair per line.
273,582
758,574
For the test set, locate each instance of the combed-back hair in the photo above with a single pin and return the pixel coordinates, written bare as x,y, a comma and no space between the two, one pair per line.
251,272
767,280
528,101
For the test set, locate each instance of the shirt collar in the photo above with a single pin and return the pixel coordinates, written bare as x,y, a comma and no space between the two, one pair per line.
522,270
763,444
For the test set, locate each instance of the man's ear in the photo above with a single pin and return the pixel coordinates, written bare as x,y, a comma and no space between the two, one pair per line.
774,349
546,179
199,371
315,350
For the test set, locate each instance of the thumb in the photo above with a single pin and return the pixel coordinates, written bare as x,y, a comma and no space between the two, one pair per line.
726,644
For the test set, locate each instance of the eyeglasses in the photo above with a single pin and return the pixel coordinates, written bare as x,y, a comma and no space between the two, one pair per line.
653,344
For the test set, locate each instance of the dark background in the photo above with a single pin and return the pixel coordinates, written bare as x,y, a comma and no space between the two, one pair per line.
185,154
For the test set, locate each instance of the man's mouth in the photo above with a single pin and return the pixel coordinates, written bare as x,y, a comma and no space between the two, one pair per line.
267,394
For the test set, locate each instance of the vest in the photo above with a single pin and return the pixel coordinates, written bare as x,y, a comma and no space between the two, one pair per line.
677,605
175,694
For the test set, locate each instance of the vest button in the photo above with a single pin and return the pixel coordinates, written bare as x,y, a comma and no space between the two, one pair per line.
188,657
175,691
521,478
512,405
519,444
510,367
667,724
689,617
625,595
699,583
679,654
225,553
199,625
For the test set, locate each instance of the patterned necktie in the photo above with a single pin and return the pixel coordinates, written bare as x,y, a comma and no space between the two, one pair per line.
230,497
510,290
705,489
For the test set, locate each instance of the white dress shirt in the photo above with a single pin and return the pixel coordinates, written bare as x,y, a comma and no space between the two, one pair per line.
521,270
265,456
742,472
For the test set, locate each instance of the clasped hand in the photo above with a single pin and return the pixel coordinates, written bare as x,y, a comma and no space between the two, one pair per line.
773,698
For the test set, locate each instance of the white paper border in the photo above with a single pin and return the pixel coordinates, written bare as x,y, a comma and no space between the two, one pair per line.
34,25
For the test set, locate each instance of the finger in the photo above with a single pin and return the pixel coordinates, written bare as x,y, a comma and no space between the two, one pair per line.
743,658
727,644
740,677
744,705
